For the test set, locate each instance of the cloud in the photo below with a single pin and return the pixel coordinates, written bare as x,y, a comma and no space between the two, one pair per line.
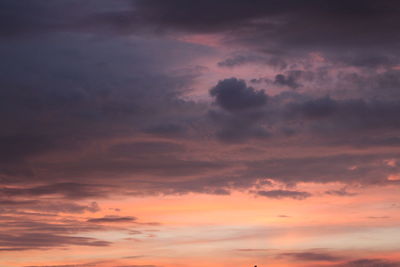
91,264
241,110
278,194
341,192
369,263
234,95
249,58
286,27
48,206
143,148
94,108
289,81
67,190
31,231
348,114
346,168
52,137
275,27
112,219
311,256
65,265
28,241
166,129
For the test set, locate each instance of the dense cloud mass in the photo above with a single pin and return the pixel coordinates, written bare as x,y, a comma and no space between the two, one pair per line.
284,194
78,91
233,94
102,100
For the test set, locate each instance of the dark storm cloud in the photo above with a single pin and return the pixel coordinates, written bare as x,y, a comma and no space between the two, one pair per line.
284,194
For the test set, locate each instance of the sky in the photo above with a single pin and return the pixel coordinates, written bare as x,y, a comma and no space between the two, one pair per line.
175,133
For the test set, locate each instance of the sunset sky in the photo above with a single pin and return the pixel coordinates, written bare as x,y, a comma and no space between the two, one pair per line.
200,133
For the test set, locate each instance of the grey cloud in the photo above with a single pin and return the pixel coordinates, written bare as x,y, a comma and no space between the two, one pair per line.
289,81
242,59
270,26
49,206
82,94
284,194
234,95
166,129
248,116
68,190
289,26
112,219
341,192
369,263
28,231
348,115
25,241
65,265
347,168
133,149
243,106
315,109
311,256
80,91
239,127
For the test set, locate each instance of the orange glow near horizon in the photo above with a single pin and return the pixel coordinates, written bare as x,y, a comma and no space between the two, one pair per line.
197,229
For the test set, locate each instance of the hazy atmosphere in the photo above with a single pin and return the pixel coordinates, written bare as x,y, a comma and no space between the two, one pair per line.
193,133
